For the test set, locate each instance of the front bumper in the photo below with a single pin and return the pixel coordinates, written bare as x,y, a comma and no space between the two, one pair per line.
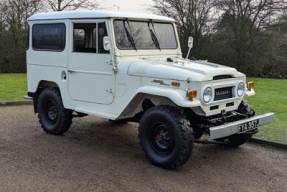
233,128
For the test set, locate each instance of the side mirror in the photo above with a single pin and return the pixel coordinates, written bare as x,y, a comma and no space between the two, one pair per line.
107,43
190,42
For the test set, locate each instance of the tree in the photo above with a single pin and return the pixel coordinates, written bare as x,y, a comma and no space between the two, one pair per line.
61,5
13,30
194,18
242,25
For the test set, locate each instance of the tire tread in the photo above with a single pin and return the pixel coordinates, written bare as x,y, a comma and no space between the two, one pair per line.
65,121
186,135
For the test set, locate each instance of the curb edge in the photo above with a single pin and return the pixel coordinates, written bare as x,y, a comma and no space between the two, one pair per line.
15,103
269,143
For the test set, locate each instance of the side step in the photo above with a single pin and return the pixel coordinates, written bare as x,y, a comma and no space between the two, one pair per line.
99,114
28,97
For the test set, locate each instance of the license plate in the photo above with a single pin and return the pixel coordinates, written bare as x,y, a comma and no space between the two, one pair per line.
248,126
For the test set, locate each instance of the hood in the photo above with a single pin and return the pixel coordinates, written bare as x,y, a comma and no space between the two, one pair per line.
176,69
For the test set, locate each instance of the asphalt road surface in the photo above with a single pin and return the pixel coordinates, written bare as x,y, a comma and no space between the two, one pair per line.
97,155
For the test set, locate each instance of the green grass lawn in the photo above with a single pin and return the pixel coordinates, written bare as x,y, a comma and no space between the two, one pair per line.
13,87
271,96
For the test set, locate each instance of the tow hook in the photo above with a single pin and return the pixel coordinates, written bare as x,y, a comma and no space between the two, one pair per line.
223,113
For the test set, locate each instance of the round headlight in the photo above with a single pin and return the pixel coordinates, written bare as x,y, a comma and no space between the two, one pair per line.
240,89
207,95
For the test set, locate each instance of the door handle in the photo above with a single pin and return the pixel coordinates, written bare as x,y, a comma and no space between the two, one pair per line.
71,71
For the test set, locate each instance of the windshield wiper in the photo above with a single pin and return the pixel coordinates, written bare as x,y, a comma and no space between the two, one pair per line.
130,37
153,36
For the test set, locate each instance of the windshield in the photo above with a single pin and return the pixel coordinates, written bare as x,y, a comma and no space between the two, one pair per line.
144,35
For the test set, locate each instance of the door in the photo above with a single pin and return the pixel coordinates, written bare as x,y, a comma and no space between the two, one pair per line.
91,78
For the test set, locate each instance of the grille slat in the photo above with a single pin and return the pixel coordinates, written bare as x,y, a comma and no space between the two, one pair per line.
223,93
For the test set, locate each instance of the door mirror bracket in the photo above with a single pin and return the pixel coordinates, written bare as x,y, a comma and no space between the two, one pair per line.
107,47
107,43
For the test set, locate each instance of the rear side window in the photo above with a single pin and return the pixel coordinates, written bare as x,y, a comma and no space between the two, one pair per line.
49,37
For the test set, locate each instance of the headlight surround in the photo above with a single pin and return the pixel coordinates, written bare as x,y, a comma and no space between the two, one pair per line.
207,95
240,89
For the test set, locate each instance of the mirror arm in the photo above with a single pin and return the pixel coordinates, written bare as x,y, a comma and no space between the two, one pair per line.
188,52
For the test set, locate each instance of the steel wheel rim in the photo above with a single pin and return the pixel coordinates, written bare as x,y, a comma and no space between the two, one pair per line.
161,138
51,112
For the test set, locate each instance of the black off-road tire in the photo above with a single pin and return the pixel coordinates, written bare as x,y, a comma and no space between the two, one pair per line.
177,135
245,108
198,135
240,139
237,140
53,116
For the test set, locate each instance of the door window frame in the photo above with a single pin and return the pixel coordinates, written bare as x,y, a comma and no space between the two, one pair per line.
87,21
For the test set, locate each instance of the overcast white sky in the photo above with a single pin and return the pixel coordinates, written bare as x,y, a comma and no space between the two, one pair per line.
127,5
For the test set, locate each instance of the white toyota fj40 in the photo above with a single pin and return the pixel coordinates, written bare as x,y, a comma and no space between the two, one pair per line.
129,67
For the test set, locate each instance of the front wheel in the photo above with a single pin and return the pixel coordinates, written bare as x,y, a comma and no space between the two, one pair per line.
237,140
53,117
166,137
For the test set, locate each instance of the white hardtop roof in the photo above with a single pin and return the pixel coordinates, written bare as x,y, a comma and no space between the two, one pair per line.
97,14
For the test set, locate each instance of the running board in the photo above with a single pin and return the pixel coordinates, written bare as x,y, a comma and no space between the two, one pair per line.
99,114
28,97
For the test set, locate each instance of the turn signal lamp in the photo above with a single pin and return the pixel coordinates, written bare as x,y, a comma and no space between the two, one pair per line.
250,85
192,94
175,84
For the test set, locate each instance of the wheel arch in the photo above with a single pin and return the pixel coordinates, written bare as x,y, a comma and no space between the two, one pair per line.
41,86
157,96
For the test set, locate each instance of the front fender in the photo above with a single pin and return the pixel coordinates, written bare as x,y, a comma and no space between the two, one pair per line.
178,96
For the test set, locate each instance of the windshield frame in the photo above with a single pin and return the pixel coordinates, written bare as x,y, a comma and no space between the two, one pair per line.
145,21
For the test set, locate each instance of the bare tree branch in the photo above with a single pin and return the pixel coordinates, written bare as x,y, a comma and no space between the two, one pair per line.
61,5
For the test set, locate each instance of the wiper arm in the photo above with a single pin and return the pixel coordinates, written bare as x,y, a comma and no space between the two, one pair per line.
153,36
130,37
154,39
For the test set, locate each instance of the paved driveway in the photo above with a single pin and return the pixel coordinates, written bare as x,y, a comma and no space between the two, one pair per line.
97,155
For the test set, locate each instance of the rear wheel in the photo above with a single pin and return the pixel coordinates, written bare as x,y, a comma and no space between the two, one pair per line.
166,137
53,117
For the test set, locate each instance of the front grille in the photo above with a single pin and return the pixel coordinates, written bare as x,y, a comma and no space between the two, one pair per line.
223,93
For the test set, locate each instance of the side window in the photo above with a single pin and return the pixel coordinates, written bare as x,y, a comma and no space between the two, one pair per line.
79,38
102,33
49,37
95,37
84,38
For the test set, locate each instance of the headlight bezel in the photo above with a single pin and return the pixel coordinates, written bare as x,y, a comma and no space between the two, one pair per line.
210,95
241,88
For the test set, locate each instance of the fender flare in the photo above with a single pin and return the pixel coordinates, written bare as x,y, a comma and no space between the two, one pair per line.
36,94
178,96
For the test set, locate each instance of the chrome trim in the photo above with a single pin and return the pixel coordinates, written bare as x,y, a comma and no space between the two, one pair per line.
232,128
243,90
89,72
213,86
28,97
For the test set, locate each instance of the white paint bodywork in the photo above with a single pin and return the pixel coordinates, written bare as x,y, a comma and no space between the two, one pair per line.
96,15
92,87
